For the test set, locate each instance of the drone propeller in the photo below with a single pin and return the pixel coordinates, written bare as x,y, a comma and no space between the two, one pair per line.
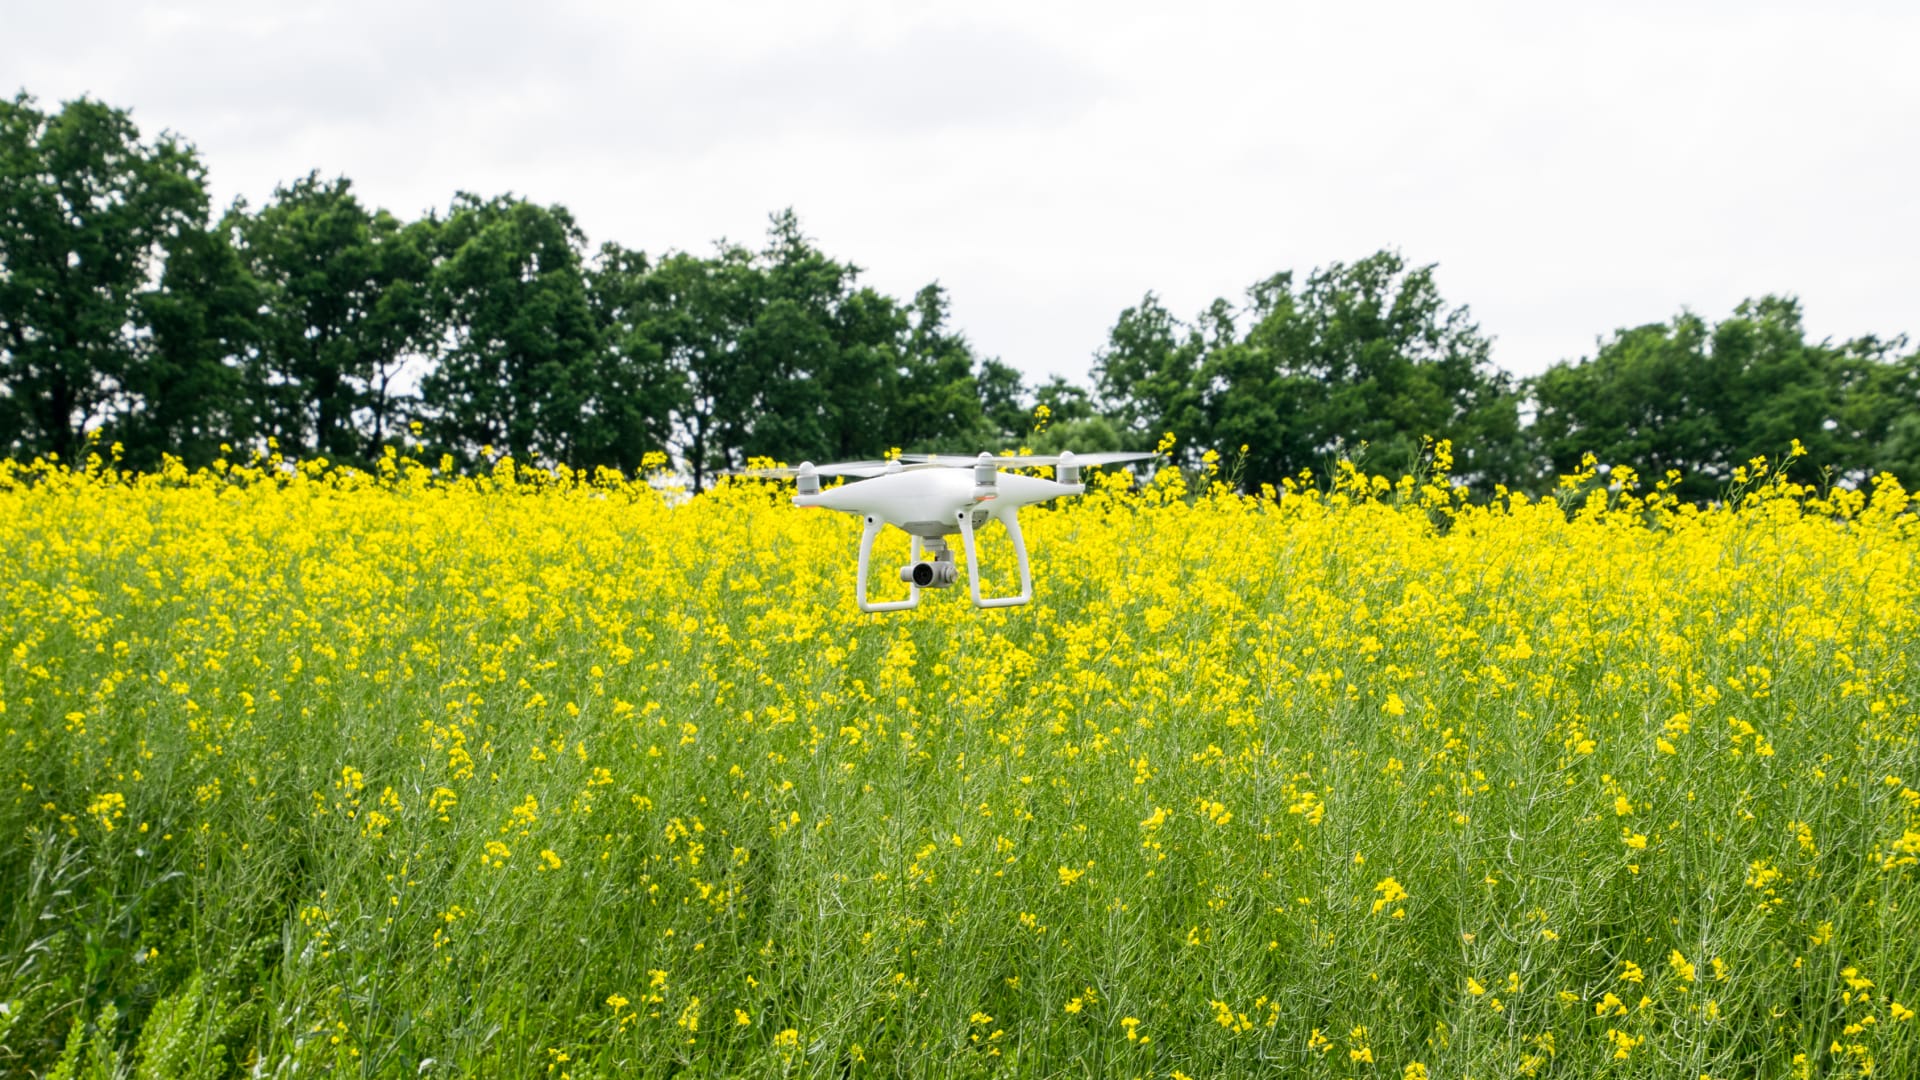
832,468
1023,461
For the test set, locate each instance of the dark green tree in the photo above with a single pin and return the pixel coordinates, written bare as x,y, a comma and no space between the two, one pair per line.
1879,416
88,216
634,392
936,404
820,353
189,395
703,306
517,355
1066,401
1701,400
1148,377
346,305
1367,352
1642,400
781,353
1003,401
1772,385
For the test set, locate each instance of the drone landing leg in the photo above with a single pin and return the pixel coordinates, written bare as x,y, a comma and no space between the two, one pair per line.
874,526
973,562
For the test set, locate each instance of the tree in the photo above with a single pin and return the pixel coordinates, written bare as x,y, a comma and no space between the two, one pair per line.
1772,385
781,353
88,214
702,306
1362,353
1640,401
1148,379
635,392
517,355
936,404
1879,415
819,356
1367,353
189,395
1702,400
1066,402
1002,400
346,306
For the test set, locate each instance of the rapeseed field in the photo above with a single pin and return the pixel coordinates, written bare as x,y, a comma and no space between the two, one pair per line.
311,771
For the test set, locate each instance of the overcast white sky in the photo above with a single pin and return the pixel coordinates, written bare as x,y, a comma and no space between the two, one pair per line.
1572,168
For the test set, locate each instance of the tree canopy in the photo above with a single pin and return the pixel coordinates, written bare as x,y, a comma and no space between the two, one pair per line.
316,324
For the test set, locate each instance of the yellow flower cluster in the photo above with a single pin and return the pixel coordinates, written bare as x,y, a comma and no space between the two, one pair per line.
559,766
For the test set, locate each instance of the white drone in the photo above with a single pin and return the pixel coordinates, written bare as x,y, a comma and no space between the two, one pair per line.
930,498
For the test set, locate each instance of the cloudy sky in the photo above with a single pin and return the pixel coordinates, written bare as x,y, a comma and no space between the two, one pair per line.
1572,168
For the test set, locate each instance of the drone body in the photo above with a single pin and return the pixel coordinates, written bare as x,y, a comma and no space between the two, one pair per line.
931,499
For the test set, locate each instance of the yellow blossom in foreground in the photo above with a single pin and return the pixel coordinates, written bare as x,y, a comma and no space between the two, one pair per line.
1391,893
259,723
1680,966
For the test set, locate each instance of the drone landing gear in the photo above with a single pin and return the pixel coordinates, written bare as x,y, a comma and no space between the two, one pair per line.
965,518
867,536
942,571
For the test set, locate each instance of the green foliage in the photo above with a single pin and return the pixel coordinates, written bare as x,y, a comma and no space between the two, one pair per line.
316,325
183,1037
1703,399
343,300
516,361
636,390
1366,353
1148,375
90,216
193,389
1088,433
1003,405
937,402
817,355
781,353
1878,412
90,1055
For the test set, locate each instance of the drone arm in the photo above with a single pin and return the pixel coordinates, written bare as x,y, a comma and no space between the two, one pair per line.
874,526
1012,523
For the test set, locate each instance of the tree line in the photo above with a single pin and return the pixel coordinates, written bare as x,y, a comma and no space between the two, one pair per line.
132,313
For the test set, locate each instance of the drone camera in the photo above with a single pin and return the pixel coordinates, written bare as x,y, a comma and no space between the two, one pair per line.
930,575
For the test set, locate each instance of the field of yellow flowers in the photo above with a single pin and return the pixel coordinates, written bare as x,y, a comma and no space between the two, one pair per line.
316,771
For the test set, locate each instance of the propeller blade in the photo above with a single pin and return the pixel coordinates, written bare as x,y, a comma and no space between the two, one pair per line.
868,468
1026,461
1113,457
863,469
